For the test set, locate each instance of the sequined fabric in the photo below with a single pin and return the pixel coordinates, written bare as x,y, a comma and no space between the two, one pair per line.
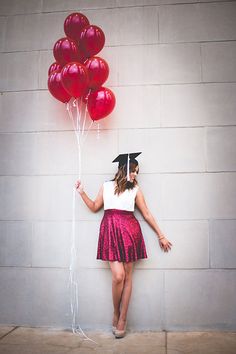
120,237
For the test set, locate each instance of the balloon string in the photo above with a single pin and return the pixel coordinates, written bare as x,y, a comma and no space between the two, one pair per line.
98,131
77,115
85,111
77,134
73,282
85,114
85,137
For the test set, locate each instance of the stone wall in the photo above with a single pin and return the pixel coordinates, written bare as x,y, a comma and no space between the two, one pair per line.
173,70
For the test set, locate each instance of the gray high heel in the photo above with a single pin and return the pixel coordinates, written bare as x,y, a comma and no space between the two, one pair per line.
120,333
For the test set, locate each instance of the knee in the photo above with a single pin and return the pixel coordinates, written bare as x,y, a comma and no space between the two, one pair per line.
118,277
128,276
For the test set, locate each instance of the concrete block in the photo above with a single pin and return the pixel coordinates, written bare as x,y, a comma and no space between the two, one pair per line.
127,3
221,143
159,64
95,298
151,186
222,243
198,196
13,7
17,154
95,153
47,198
198,105
184,196
16,243
221,194
190,245
58,152
30,28
136,107
183,148
86,241
50,307
52,23
18,202
3,23
51,244
55,153
197,22
193,289
16,296
46,58
218,62
60,5
30,197
31,111
19,71
148,313
139,25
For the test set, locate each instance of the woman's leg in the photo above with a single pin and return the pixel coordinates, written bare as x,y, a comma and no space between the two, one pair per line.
126,294
118,277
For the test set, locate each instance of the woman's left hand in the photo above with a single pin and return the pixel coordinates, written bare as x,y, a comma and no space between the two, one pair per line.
165,244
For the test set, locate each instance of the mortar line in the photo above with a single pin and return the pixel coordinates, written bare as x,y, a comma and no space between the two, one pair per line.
6,334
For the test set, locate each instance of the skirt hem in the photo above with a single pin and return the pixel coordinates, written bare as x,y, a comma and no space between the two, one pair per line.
120,260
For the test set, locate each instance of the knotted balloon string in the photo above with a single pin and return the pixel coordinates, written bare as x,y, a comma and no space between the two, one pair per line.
73,281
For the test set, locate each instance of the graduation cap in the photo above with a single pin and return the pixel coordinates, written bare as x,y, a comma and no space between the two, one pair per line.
126,159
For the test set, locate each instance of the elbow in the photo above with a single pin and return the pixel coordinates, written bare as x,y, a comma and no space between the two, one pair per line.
95,208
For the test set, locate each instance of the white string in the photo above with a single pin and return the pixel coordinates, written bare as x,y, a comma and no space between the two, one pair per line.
98,131
73,281
85,114
128,179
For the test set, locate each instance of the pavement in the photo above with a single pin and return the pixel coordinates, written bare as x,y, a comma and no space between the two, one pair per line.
30,340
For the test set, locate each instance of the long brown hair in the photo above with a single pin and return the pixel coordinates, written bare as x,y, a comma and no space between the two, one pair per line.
121,178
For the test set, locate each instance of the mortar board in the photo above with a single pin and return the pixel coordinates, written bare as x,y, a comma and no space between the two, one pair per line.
126,159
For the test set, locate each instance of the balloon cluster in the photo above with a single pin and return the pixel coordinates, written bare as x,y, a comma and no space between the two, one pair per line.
78,72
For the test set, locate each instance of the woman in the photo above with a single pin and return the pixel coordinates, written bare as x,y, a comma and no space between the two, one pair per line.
121,242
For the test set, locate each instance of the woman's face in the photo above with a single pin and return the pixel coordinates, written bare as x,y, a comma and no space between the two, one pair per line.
133,174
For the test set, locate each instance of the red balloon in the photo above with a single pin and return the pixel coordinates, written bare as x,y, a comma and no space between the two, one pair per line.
66,50
92,40
98,71
54,67
101,103
75,79
74,24
56,89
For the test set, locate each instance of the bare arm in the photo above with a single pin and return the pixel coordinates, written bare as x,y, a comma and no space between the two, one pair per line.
93,205
142,206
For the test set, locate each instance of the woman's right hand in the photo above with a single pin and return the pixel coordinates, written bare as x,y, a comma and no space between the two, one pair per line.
79,187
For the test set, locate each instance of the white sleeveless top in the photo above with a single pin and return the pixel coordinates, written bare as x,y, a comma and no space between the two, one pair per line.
125,201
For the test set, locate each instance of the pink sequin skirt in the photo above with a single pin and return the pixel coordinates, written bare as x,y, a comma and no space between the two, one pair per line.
120,237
